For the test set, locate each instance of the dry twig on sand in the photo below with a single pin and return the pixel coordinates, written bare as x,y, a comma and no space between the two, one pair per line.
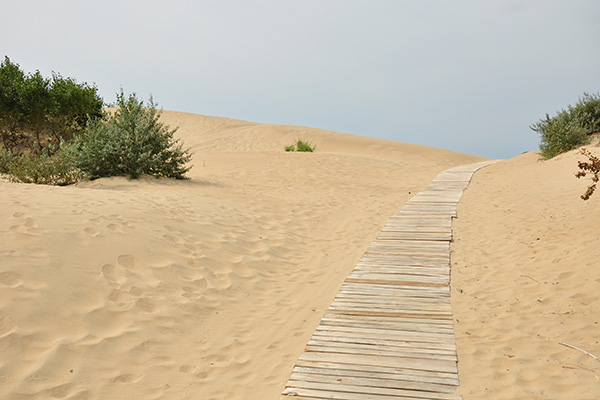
577,348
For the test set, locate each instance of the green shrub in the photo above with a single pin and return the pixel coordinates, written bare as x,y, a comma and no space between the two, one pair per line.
49,167
130,142
300,146
569,128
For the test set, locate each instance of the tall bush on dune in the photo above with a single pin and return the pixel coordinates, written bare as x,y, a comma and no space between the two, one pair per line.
132,141
36,111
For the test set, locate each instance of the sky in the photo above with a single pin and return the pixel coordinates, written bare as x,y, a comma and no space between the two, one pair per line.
469,76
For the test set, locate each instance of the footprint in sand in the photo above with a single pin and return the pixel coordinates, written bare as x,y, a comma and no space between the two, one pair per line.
146,305
190,292
113,275
185,368
25,224
125,378
7,325
130,262
61,391
10,279
92,231
114,228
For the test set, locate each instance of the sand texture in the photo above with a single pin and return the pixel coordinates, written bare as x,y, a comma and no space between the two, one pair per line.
526,277
210,288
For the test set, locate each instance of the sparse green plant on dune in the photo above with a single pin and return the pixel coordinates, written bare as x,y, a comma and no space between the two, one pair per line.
301,146
304,146
569,128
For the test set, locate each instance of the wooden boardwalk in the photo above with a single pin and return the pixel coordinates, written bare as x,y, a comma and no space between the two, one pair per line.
389,332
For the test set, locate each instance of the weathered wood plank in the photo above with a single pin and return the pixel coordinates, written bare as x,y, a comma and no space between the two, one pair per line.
409,323
405,343
387,334
389,347
370,351
347,377
379,299
384,361
399,282
448,378
351,392
400,373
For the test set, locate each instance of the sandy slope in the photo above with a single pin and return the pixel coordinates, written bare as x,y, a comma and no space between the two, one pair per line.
525,277
205,289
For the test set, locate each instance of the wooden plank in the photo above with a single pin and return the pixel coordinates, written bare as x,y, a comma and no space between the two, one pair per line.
398,297
424,324
401,327
361,349
375,259
403,304
386,334
390,381
405,344
448,378
351,392
405,314
415,255
400,304
402,270
384,361
399,283
399,275
407,291
383,308
389,347
371,351
417,229
424,235
378,299
373,286
359,385
397,336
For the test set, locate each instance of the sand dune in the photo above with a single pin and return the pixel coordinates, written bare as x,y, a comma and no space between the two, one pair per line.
210,288
204,289
525,278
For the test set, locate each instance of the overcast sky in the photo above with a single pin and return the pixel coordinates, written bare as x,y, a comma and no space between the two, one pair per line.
469,76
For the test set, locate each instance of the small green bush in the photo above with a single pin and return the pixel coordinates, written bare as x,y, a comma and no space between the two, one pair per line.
49,167
130,142
569,128
300,146
303,146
